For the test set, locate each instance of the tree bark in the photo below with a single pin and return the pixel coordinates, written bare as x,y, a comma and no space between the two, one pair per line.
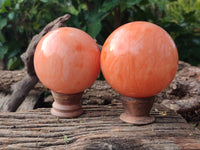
22,88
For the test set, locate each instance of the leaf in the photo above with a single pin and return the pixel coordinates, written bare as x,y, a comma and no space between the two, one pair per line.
17,6
132,2
13,53
108,5
33,11
44,1
1,2
3,23
66,139
20,1
75,4
2,38
13,63
6,4
3,50
94,27
11,15
36,26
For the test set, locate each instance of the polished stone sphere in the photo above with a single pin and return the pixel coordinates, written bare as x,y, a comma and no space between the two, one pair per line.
67,60
139,59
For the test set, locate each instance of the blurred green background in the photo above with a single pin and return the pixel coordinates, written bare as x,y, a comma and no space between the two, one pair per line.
20,20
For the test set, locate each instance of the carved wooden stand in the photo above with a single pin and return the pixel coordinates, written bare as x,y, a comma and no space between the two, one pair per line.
137,110
66,106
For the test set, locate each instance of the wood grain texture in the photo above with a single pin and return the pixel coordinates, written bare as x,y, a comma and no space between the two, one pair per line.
99,128
28,104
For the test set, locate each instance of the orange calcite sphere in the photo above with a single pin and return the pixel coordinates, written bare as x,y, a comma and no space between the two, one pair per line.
139,59
67,60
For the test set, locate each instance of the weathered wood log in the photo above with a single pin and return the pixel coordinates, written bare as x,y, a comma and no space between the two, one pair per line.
182,95
30,102
22,88
9,78
99,128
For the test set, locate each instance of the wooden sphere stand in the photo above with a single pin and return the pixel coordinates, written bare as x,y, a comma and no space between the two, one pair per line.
137,110
66,105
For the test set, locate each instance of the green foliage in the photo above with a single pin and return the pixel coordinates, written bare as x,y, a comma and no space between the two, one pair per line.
20,20
184,18
184,11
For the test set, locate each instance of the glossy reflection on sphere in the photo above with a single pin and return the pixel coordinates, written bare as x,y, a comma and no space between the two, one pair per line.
67,60
139,59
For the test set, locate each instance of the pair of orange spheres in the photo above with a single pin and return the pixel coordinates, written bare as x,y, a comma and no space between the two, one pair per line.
139,59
